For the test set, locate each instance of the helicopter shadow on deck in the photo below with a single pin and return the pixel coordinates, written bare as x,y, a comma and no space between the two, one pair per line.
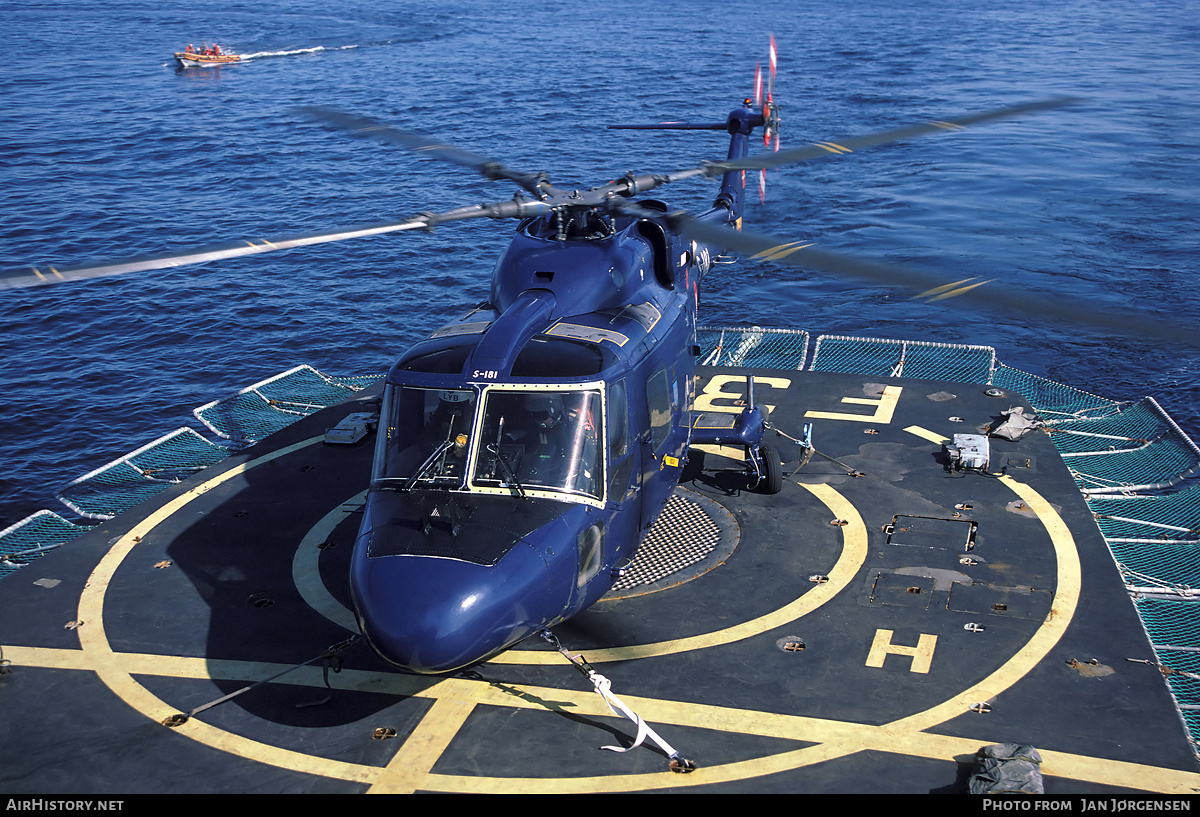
229,592
216,579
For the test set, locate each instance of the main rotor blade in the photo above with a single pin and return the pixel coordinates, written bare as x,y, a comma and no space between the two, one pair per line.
930,286
33,276
672,126
374,129
850,144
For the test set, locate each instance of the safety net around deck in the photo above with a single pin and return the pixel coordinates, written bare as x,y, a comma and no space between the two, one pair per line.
141,474
1052,400
752,347
33,537
135,477
1181,669
1136,447
270,405
903,358
1154,538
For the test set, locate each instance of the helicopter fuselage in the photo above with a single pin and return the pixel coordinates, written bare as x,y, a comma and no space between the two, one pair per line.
526,447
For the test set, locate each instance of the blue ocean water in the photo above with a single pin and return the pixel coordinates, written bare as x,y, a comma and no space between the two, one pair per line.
108,151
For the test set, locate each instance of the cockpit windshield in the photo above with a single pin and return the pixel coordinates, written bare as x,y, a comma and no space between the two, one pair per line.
529,439
544,439
428,435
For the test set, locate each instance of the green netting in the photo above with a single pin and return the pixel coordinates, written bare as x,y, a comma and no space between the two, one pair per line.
246,418
32,537
1174,630
1155,539
1124,427
1191,718
139,475
753,347
270,405
356,382
1182,672
903,358
1181,668
1159,465
1171,517
1049,398
1168,567
1137,447
1170,623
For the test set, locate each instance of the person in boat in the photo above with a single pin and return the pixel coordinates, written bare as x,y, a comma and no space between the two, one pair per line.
190,49
216,49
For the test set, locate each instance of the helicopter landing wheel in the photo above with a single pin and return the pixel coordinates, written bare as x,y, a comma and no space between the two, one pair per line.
771,479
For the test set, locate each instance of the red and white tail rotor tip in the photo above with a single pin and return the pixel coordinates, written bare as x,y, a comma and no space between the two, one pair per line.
770,120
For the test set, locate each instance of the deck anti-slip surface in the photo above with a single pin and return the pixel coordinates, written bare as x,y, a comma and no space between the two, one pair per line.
867,629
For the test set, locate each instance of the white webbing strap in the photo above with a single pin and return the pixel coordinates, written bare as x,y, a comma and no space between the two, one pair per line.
615,705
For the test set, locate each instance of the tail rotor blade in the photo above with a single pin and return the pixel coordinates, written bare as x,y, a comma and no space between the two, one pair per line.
770,118
774,61
771,81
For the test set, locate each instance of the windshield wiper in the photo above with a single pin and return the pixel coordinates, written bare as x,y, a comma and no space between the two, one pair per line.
494,450
427,466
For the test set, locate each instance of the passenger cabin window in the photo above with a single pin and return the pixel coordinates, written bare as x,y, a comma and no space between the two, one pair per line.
544,439
658,402
618,420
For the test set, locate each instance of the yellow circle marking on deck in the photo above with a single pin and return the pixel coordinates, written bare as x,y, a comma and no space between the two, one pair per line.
853,555
831,738
307,576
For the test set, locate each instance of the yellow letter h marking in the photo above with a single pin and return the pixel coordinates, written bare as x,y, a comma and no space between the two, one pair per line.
922,654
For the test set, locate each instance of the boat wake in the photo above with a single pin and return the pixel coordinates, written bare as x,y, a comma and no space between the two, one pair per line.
292,52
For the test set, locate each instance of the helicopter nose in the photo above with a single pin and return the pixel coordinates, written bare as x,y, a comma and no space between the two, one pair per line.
430,615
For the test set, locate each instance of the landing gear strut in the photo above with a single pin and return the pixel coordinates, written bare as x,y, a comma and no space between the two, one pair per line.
764,467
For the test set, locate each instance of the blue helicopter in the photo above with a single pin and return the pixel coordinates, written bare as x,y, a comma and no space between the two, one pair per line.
525,448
